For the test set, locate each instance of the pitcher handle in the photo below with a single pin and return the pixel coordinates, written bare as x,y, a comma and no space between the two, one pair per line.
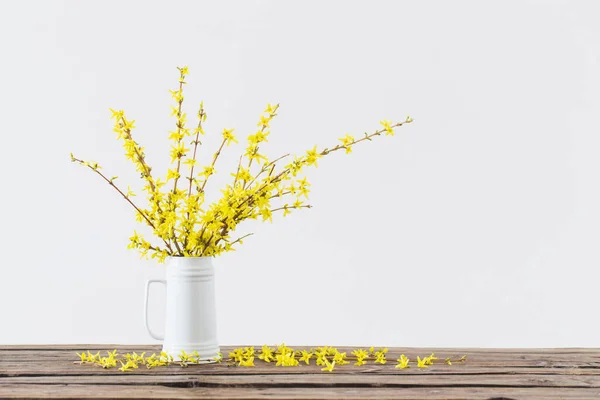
150,331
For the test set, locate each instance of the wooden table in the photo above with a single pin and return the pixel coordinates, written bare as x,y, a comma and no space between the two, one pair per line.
48,371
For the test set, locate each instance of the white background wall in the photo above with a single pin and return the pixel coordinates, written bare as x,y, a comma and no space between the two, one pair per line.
475,226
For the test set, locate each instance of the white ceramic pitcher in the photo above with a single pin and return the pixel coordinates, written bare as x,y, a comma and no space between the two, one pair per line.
191,318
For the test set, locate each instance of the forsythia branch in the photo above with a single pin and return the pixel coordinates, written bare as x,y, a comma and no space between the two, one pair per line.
180,218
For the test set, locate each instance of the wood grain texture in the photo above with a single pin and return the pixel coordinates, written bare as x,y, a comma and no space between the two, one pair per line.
37,371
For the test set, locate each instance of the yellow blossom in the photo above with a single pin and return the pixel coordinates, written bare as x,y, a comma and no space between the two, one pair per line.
387,125
228,136
258,137
340,358
305,356
403,362
208,171
328,366
190,162
271,109
380,355
312,156
219,357
178,152
248,362
116,114
237,354
129,192
175,136
266,354
177,95
264,121
360,355
286,360
266,214
172,174
429,360
128,125
380,358
347,142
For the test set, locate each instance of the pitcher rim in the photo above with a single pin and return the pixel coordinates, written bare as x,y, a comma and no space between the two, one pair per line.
190,257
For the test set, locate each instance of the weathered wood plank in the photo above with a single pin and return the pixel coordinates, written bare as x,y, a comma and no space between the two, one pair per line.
133,392
49,371
15,370
474,357
319,380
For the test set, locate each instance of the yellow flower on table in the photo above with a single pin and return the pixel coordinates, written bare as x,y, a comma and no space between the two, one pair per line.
403,362
306,356
328,366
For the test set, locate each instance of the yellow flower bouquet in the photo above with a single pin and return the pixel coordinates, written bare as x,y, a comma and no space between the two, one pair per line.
188,233
176,213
